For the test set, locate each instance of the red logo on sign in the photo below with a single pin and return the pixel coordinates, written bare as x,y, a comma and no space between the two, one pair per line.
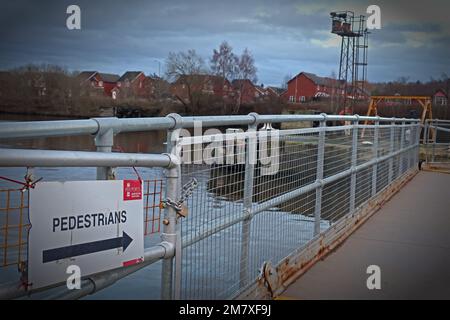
132,190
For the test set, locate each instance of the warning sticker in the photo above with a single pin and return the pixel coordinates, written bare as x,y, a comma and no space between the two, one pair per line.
132,190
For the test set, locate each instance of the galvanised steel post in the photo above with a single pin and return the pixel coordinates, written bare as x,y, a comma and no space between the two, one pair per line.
417,152
354,160
173,177
104,141
319,174
391,150
411,142
401,156
434,131
375,155
425,139
250,161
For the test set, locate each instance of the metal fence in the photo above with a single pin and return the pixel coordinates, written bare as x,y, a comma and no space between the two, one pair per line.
252,194
437,142
243,215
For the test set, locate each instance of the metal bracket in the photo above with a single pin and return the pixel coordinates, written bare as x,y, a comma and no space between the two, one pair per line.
269,276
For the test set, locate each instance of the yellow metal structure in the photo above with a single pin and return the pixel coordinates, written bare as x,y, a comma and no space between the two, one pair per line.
425,102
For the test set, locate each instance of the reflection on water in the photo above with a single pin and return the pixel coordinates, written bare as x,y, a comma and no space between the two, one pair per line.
226,181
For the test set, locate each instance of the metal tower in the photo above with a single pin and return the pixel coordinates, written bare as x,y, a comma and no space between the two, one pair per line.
353,59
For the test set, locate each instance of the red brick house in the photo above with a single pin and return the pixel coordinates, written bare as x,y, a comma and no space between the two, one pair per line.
156,87
132,84
440,98
308,86
187,85
95,83
109,82
247,92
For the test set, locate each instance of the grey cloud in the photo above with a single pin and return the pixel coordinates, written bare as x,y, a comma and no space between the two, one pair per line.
119,35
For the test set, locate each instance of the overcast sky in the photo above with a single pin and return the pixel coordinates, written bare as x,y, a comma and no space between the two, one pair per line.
285,37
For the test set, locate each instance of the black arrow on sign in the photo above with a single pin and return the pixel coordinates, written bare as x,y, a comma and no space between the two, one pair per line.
86,248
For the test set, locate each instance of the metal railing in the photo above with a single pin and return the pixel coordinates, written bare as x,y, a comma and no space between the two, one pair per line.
437,141
260,194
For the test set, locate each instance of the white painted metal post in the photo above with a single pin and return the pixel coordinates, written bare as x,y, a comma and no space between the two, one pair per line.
319,174
417,150
433,150
375,156
401,155
104,141
353,166
250,161
411,142
425,139
170,215
391,150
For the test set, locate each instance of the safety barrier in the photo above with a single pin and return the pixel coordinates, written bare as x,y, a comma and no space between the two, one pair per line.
251,196
436,144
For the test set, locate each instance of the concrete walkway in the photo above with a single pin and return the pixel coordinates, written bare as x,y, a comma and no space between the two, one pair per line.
409,239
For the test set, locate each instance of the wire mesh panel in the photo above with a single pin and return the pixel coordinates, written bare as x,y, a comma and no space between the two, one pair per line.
338,151
366,150
438,146
212,267
363,186
384,148
211,252
227,237
335,201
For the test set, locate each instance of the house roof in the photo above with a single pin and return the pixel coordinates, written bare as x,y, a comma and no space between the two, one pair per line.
130,76
86,75
277,90
316,79
261,89
441,91
323,81
109,77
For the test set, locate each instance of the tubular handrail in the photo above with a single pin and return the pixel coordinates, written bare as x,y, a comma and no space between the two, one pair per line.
54,158
40,129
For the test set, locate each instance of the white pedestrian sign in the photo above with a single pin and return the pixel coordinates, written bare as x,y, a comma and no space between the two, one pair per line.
95,225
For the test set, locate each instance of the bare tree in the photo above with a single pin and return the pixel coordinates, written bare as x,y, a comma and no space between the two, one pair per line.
246,70
188,69
224,62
